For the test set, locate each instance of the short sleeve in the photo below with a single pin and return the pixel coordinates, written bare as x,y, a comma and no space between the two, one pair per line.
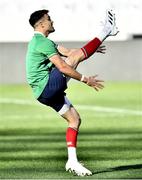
48,48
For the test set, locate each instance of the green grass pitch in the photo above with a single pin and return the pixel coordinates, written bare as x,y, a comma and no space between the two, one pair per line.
32,136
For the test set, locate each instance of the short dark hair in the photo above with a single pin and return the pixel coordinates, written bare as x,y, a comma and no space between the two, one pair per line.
36,16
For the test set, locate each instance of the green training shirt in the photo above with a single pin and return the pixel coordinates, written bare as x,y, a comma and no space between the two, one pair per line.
38,65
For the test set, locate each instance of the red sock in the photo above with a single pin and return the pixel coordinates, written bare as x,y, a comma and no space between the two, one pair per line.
71,137
91,47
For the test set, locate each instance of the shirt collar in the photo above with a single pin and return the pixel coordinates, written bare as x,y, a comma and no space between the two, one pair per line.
37,32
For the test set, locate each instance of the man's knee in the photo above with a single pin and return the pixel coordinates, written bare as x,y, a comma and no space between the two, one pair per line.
75,122
73,117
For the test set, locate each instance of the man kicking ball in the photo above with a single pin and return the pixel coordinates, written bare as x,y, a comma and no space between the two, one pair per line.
48,73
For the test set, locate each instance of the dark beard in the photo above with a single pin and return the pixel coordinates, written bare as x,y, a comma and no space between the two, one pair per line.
52,30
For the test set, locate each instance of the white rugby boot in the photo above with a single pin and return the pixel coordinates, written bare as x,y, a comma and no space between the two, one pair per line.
77,168
108,26
112,20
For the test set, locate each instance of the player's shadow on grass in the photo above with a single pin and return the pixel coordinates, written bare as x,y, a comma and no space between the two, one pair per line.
120,168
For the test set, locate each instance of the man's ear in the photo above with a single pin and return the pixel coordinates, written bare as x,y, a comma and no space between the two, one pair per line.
42,24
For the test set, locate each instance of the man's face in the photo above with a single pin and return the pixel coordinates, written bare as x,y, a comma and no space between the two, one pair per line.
48,23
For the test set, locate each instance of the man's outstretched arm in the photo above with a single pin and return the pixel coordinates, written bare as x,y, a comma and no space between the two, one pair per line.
69,71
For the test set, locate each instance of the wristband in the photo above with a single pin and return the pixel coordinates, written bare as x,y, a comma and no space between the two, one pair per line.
82,78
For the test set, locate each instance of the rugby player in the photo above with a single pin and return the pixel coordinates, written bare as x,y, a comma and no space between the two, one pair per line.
48,73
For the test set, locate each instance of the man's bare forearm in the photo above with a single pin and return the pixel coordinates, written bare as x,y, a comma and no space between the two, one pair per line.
65,68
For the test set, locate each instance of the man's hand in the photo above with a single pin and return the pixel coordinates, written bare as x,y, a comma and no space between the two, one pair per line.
101,49
95,83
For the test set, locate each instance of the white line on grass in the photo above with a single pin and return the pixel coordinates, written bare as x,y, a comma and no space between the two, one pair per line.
81,107
109,109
